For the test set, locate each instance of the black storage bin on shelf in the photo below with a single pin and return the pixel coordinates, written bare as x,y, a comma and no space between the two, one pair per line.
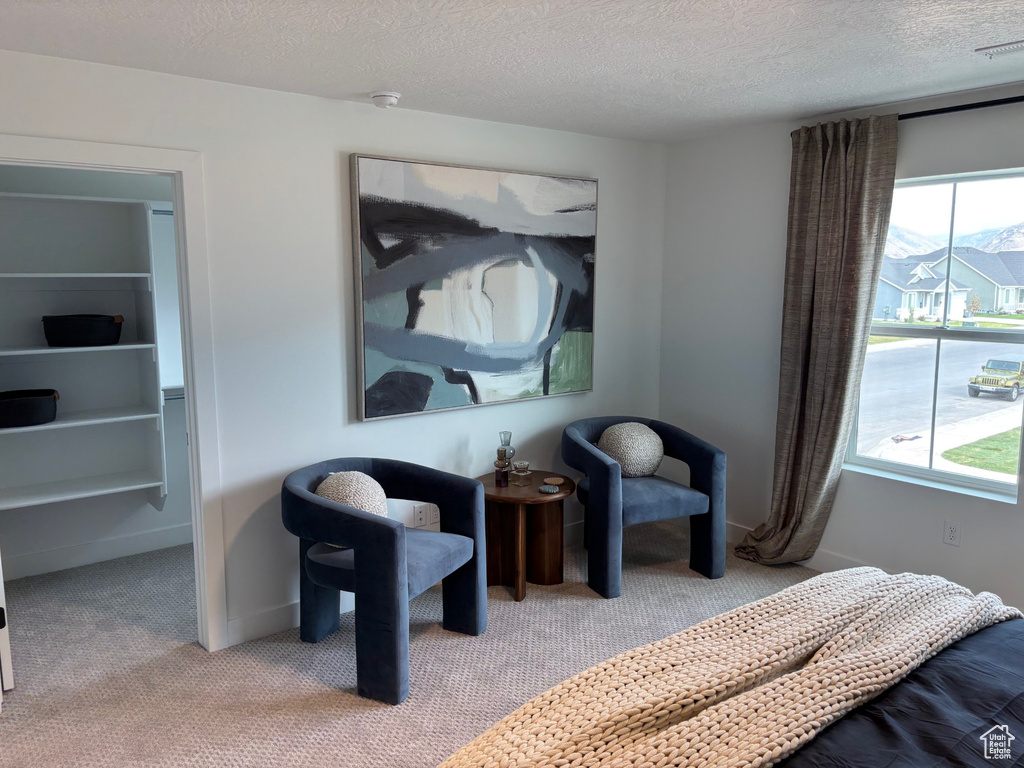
27,407
82,330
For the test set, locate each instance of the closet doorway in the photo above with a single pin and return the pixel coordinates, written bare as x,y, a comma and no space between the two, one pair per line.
119,471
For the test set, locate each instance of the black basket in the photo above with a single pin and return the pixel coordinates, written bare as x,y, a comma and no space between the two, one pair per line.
82,330
27,407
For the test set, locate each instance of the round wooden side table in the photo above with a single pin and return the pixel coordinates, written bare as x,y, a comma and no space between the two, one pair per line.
524,532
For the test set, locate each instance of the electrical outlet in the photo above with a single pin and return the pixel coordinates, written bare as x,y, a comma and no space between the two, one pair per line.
419,515
951,533
434,515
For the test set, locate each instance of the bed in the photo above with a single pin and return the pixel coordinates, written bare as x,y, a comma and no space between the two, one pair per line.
852,668
938,714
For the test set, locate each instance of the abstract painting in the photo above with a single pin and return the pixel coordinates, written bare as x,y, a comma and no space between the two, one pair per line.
474,286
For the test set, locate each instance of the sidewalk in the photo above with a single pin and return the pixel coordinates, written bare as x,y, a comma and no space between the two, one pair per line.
903,344
915,452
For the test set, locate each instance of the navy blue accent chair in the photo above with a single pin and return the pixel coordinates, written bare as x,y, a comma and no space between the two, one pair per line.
611,502
386,564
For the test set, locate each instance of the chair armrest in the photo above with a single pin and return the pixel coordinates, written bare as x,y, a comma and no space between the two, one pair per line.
460,499
581,454
604,502
706,462
313,517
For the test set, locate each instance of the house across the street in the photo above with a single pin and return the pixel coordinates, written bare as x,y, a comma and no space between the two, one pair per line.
997,278
918,284
914,286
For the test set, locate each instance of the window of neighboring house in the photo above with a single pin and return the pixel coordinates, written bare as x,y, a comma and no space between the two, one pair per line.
940,397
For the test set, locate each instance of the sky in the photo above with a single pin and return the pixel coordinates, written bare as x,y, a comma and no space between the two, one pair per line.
980,205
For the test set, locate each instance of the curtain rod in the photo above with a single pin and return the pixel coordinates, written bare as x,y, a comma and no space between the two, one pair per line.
963,107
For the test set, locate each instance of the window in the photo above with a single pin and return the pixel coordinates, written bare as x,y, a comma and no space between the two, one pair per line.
940,396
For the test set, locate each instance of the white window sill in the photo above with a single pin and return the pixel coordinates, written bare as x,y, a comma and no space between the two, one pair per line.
981,489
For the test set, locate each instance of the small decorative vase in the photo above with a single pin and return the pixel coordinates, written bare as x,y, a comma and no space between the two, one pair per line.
506,443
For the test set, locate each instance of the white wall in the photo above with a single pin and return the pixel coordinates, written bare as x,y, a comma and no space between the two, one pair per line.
722,308
724,268
279,236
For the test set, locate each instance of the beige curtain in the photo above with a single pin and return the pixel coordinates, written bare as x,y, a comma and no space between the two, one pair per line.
840,194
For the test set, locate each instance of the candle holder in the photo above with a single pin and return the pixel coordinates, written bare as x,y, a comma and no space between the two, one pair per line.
521,474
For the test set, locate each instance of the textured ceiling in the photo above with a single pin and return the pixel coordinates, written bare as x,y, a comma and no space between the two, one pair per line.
651,69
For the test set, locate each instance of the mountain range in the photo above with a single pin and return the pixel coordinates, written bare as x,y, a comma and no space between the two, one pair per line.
975,239
1009,239
902,242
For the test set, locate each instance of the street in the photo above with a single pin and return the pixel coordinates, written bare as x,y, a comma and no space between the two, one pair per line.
896,391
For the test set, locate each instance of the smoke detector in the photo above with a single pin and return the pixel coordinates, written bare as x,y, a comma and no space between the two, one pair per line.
385,99
998,50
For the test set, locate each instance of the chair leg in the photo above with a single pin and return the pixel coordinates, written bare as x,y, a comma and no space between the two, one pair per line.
707,544
319,607
604,558
382,646
464,597
586,540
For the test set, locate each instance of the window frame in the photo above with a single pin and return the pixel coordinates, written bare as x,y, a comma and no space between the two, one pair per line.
929,476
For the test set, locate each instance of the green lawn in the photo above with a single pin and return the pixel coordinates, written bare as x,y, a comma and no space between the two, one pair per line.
884,339
997,453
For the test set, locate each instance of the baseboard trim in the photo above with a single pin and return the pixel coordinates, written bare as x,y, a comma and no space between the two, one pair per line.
734,532
572,534
257,625
49,560
271,621
824,560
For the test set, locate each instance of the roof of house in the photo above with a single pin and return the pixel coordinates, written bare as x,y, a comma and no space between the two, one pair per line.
914,274
1014,261
1003,268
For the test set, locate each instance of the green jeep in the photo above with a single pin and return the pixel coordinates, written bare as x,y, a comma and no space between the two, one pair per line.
999,376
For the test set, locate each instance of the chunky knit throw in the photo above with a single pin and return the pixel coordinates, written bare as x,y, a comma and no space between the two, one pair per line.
747,687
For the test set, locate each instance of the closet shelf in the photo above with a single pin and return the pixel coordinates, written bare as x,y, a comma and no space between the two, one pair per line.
20,351
79,488
88,418
61,255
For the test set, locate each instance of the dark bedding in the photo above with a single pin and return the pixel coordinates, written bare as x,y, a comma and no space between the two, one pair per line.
938,713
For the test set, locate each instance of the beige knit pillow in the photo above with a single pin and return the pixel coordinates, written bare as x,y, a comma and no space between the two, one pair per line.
636,447
354,489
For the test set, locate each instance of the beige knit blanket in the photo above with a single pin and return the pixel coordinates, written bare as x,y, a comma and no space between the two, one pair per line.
746,688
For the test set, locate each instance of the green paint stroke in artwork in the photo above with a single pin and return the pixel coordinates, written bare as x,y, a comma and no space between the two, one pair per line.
571,362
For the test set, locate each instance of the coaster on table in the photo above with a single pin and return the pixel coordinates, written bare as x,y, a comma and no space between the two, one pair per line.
554,480
549,489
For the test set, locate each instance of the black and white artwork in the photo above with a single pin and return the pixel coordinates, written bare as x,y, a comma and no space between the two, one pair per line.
474,286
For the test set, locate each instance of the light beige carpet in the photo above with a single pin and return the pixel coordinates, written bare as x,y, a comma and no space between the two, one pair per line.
108,673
